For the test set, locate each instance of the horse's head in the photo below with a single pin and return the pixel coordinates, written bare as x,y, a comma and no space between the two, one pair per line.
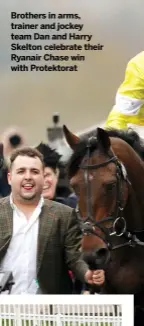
99,181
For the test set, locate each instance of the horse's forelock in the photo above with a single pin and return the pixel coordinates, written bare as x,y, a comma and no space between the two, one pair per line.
79,153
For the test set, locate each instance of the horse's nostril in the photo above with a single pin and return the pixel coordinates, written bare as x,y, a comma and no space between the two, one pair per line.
101,252
96,258
101,257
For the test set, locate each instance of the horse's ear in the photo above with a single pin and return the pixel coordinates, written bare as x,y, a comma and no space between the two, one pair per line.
103,139
71,139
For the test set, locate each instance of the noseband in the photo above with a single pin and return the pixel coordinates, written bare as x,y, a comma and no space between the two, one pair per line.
89,225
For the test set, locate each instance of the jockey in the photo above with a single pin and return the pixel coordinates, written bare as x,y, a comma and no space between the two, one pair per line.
128,110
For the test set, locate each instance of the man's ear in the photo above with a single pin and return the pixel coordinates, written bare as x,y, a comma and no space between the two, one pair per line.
9,178
57,172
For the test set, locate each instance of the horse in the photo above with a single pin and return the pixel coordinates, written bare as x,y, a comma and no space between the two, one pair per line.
106,172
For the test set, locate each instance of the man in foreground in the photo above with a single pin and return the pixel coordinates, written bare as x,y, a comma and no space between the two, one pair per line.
39,239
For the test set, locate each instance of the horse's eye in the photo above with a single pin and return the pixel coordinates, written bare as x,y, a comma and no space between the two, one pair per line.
110,186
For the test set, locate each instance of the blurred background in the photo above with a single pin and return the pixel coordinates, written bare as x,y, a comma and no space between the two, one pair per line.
83,99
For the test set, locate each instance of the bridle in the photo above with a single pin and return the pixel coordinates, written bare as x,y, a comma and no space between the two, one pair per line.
89,225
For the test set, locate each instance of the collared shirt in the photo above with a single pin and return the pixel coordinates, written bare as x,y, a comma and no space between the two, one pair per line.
21,256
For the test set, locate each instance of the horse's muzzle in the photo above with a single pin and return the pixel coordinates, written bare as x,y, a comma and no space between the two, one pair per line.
96,258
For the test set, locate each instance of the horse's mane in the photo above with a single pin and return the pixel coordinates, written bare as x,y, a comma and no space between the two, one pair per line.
129,136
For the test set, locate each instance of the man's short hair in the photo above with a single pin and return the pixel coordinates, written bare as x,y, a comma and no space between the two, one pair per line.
25,151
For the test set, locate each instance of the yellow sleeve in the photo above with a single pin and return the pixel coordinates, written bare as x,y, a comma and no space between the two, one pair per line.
117,121
130,96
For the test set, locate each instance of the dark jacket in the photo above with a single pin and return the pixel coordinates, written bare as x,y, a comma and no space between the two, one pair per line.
58,245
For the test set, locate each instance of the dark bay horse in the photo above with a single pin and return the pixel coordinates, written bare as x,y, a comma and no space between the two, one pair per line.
107,175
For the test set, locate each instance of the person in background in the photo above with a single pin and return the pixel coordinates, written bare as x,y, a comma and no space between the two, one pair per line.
56,185
11,139
128,110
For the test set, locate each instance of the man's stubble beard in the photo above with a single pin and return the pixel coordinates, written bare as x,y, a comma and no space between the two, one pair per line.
28,198
32,197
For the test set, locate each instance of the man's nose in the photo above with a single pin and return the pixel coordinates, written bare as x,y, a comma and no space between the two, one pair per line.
28,175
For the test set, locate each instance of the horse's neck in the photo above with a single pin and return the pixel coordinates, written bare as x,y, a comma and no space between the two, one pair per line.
135,170
133,212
